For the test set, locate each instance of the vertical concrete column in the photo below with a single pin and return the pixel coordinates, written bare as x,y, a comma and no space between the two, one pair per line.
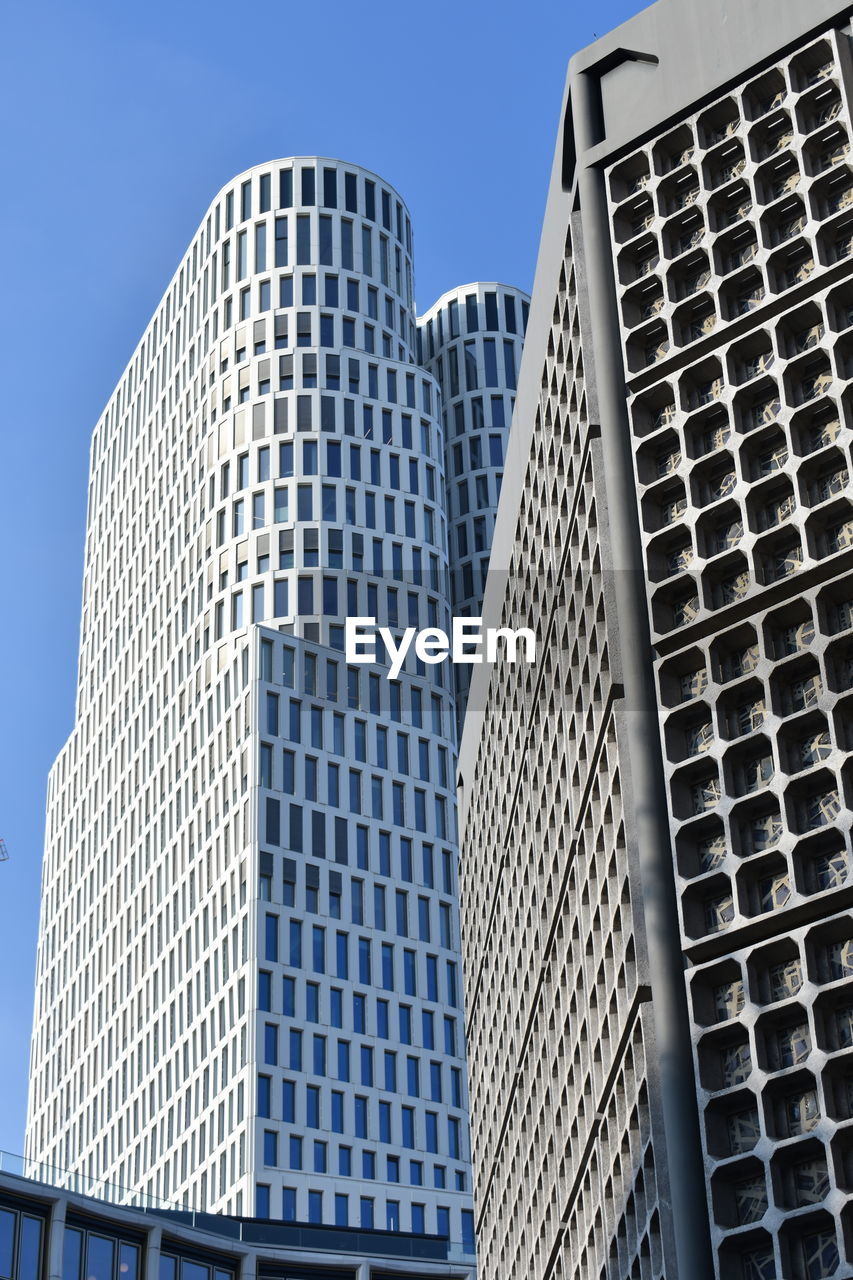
249,1266
153,1246
672,1029
55,1240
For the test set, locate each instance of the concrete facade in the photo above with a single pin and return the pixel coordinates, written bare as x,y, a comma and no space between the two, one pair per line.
659,974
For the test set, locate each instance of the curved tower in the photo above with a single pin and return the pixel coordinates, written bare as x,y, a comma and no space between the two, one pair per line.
248,993
470,340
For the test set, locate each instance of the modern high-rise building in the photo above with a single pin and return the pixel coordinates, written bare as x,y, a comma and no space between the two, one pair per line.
656,817
470,341
249,996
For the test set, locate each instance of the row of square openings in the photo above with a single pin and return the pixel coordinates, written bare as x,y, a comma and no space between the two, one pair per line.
721,549
791,1106
794,631
734,269
716,466
781,1039
737,239
796,692
732,578
767,164
708,303
763,108
772,973
808,1245
770,883
804,352
800,1175
682,477
762,761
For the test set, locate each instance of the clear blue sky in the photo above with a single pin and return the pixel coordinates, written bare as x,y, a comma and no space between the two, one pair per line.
121,122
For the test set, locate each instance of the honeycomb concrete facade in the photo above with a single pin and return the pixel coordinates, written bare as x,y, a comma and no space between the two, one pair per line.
671,790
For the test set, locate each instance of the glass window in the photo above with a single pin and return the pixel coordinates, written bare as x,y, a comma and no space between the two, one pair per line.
28,1230
270,1148
288,1204
288,1102
100,1255
303,238
325,245
8,1222
281,254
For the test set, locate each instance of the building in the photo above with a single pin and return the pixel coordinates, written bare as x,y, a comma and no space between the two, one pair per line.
249,995
69,1234
656,818
470,341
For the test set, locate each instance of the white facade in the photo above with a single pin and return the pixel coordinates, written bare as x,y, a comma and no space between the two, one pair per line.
249,995
470,340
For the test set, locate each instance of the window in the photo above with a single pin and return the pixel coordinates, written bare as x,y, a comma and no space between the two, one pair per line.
735,1064
318,948
790,1045
820,1254
21,1242
359,1014
836,960
315,1206
361,1116
271,938
295,1049
388,966
288,1102
289,997
744,1130
281,245
271,1043
270,1148
336,1015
